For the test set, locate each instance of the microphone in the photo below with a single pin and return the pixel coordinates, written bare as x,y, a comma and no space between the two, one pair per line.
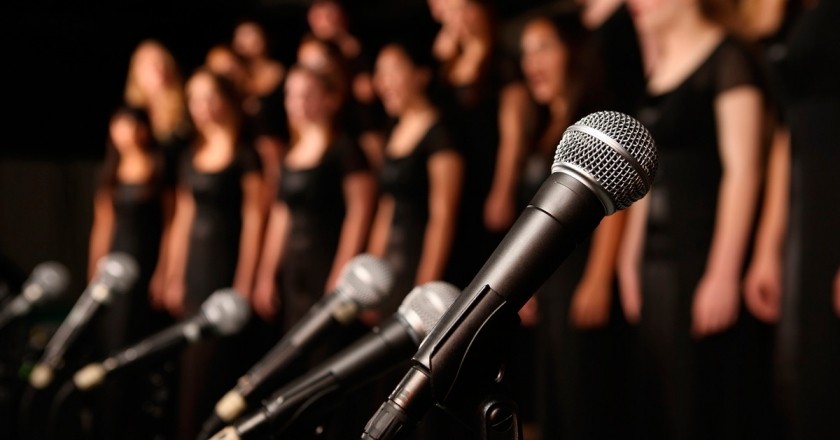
363,283
323,388
604,163
223,313
116,272
47,281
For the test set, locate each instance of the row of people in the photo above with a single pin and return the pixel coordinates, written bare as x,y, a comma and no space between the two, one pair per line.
462,151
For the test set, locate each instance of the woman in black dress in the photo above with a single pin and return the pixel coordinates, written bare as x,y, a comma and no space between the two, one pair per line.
686,243
798,231
322,215
421,175
578,389
215,237
132,207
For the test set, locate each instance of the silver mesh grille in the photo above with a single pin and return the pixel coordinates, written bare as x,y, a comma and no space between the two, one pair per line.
423,307
226,311
51,277
613,149
118,270
367,280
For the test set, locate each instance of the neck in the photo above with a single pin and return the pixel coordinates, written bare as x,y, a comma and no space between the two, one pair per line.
683,32
417,107
314,132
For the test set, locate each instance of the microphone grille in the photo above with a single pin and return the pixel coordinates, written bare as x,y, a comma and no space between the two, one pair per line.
367,280
52,278
118,270
614,152
423,307
226,311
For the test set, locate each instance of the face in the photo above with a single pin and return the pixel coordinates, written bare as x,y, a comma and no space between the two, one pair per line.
544,60
655,14
397,80
325,19
151,68
206,103
225,63
249,40
306,99
127,133
313,55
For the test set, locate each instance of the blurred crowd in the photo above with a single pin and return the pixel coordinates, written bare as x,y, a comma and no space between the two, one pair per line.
708,309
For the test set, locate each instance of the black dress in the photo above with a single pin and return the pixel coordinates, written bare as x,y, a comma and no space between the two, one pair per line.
689,388
806,66
138,227
406,180
315,199
210,367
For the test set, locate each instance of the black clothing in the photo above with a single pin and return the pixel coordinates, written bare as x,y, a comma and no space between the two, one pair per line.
315,199
693,385
406,180
805,64
210,367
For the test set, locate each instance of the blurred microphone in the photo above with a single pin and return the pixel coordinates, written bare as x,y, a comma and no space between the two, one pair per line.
604,163
325,387
47,281
116,272
223,313
364,282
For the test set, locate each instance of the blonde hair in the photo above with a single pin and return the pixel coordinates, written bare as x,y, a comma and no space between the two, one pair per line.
169,114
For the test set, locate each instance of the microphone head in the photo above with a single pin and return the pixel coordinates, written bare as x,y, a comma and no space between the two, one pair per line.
226,311
118,270
613,154
367,280
423,307
47,281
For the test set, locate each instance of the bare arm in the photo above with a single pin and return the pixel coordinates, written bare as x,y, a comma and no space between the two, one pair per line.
739,118
381,226
102,229
629,259
359,195
445,175
265,296
178,250
252,228
500,206
763,283
157,285
591,301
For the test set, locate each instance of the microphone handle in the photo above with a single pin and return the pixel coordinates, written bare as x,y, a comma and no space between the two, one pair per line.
78,318
308,331
326,387
164,341
14,308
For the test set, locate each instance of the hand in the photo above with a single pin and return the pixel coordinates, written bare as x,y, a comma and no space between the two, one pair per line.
499,211
157,290
265,300
715,304
174,298
837,293
370,318
529,314
630,293
763,288
591,304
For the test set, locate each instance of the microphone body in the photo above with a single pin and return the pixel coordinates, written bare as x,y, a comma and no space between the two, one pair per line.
364,282
224,312
117,272
460,357
47,281
322,389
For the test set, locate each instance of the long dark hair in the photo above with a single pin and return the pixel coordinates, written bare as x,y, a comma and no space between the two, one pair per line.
108,174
